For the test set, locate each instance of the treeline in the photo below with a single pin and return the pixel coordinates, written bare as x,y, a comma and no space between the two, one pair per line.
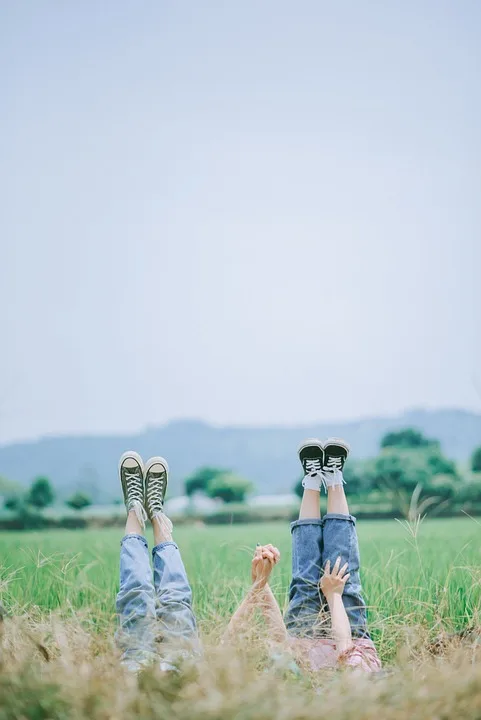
410,476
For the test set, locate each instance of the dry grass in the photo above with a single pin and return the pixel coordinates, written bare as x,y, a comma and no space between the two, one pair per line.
58,658
83,679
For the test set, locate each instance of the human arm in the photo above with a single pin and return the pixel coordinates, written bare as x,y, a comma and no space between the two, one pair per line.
273,616
332,585
259,595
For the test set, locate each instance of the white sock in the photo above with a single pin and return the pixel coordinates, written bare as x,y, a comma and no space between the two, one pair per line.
312,482
333,479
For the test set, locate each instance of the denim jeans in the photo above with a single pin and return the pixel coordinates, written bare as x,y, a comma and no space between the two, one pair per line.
314,541
152,612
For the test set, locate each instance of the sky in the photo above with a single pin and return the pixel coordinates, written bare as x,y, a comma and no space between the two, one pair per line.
249,213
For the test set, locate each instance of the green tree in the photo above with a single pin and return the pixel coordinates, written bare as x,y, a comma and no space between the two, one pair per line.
470,492
406,438
199,481
476,460
13,502
79,501
438,464
229,488
407,476
41,493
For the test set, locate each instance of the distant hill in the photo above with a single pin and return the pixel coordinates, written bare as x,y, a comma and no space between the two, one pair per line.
267,455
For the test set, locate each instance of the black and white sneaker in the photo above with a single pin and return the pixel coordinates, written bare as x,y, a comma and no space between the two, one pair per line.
156,478
131,473
336,452
311,455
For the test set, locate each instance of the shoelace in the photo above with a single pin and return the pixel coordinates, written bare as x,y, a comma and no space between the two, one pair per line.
134,484
313,466
155,491
164,522
333,463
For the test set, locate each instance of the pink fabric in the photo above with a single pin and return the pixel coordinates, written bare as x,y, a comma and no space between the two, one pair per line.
322,653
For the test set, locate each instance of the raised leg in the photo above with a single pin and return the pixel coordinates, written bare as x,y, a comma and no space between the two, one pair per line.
176,619
305,601
136,599
340,539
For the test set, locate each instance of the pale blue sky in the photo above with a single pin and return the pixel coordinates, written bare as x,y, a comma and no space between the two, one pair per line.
247,212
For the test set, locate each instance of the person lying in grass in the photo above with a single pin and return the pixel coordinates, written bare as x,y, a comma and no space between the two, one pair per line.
325,575
157,622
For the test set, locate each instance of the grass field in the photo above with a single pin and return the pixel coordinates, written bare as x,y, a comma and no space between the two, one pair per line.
421,583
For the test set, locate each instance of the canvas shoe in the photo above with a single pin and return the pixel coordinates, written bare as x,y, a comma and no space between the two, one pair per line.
311,455
336,452
131,473
156,478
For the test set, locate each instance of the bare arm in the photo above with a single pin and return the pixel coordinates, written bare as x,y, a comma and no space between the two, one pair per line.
259,595
332,585
273,616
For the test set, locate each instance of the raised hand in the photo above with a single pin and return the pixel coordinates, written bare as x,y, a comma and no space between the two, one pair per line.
333,582
265,557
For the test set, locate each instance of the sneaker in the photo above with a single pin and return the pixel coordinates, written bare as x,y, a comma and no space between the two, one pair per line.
336,452
131,473
156,478
311,455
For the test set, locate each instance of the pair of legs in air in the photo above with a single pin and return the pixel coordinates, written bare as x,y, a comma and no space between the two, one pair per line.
325,571
154,609
317,541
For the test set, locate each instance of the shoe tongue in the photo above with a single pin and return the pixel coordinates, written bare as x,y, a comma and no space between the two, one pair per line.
156,471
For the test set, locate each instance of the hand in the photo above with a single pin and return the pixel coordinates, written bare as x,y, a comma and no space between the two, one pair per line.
265,557
332,583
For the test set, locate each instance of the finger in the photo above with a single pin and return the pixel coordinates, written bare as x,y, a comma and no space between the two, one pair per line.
327,567
337,564
342,570
272,553
346,578
268,556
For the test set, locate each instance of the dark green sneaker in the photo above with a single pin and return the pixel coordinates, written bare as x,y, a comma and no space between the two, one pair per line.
156,476
131,473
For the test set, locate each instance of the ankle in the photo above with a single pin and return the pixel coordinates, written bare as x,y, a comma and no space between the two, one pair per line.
162,527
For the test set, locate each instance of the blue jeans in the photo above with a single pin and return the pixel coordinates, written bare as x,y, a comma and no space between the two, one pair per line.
314,541
152,612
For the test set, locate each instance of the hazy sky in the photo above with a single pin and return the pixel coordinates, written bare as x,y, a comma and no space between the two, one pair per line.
247,212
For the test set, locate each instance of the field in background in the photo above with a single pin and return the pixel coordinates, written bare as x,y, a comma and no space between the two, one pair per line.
422,583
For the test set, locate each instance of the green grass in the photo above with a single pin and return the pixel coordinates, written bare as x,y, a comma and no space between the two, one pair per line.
429,576
420,582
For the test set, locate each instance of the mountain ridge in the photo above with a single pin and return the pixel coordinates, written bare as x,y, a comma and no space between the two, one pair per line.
264,454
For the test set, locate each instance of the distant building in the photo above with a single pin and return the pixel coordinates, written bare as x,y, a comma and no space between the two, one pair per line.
199,503
273,500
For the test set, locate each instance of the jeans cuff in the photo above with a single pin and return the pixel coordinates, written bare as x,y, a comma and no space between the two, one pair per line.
306,521
134,536
338,516
163,545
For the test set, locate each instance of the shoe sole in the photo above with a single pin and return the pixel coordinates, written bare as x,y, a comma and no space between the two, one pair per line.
129,455
338,441
309,443
158,460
